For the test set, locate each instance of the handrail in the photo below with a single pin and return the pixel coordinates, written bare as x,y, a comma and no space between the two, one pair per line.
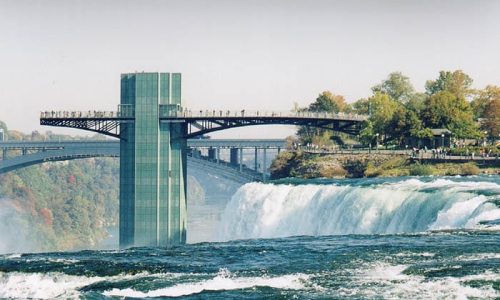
187,113
85,114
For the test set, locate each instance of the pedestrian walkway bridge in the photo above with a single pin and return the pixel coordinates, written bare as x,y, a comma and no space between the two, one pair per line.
201,122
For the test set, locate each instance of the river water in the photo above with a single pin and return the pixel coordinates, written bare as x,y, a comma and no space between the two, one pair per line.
410,238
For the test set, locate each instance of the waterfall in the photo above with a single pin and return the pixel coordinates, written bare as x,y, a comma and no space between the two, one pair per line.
405,205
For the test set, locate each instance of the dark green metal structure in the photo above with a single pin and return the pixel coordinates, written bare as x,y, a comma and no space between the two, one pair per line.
152,162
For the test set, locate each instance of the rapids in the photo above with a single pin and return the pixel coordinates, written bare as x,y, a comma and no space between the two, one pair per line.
398,238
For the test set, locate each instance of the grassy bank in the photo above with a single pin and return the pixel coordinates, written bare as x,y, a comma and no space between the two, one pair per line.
306,165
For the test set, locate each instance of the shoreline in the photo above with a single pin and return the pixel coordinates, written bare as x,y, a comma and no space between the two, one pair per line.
310,165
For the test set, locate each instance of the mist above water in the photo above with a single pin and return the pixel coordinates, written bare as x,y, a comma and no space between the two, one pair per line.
14,235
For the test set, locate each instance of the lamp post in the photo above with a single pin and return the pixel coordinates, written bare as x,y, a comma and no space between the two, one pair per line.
485,134
442,140
376,137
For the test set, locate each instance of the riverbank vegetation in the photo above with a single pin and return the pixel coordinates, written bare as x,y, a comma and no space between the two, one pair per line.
309,165
400,116
58,205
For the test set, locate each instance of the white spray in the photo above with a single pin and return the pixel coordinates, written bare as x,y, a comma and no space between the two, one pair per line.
267,210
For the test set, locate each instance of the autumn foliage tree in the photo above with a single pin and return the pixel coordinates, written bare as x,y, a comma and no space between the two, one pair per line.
492,118
325,102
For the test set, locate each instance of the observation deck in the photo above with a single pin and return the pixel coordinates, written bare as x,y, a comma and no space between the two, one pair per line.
201,121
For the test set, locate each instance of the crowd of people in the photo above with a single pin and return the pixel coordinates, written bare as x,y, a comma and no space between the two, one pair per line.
443,153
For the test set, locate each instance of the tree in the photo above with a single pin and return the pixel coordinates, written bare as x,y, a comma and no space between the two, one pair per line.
329,102
325,102
483,98
382,111
446,110
362,106
397,86
492,118
366,134
457,83
404,123
416,102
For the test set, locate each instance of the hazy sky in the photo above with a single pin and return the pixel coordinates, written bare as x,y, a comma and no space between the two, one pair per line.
68,55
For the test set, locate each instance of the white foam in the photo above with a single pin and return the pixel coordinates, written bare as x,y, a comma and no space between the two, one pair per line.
413,254
49,285
458,213
223,281
259,210
42,286
478,256
388,281
66,261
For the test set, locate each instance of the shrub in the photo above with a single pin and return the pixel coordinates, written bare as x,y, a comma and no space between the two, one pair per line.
333,171
283,164
421,170
371,170
469,169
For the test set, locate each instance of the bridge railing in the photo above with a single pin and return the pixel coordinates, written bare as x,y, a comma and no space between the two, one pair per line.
188,113
86,114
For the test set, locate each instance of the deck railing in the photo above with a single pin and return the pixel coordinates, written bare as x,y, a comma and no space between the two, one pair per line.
187,113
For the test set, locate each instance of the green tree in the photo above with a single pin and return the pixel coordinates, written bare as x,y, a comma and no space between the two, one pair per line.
446,110
366,134
457,83
416,102
382,111
329,102
404,123
325,102
397,86
362,106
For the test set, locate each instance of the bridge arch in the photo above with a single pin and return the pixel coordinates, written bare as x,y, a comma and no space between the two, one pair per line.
62,151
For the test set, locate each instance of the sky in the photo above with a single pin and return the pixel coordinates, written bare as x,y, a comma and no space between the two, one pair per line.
253,55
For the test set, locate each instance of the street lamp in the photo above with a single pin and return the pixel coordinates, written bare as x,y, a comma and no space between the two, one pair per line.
485,134
376,136
442,140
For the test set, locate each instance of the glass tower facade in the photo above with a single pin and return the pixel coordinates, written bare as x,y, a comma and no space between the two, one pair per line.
152,162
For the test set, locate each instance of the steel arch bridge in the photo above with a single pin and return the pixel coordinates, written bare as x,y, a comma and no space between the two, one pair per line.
32,153
200,123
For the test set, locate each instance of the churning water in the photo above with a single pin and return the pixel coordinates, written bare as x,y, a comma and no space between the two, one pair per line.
410,238
365,206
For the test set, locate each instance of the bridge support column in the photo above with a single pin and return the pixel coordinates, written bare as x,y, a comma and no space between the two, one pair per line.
264,162
4,154
217,155
256,160
195,152
241,160
153,158
211,154
24,151
233,156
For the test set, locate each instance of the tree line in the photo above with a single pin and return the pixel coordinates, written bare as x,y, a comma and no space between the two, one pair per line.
397,112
